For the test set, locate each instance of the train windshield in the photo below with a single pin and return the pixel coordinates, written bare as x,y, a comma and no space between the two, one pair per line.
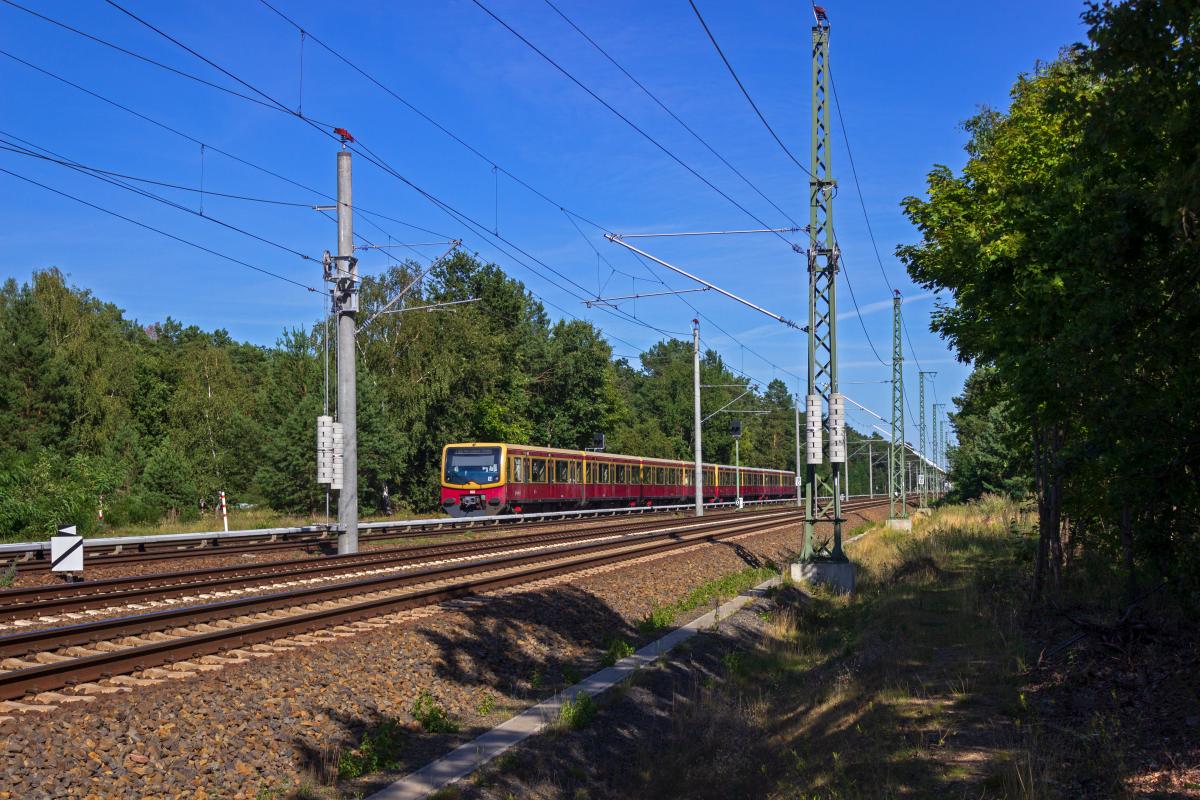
478,464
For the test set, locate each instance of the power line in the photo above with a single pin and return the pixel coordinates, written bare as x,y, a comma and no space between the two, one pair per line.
398,98
672,114
746,93
626,120
158,198
206,145
712,322
862,201
567,212
790,155
139,56
857,310
157,230
370,156
151,181
378,161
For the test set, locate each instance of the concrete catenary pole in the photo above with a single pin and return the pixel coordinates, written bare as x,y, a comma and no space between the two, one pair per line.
737,467
870,470
798,479
347,313
699,469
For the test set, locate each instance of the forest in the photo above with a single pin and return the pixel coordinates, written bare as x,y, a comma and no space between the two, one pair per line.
152,420
1069,245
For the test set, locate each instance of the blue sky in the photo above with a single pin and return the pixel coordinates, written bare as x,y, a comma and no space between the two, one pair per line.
907,74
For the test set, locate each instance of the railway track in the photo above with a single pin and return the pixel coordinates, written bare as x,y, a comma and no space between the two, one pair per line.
45,660
66,598
315,539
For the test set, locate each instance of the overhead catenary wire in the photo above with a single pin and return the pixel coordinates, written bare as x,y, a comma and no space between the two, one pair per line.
262,169
569,213
158,198
641,131
746,93
28,151
366,211
862,202
340,56
672,114
233,157
138,56
160,231
784,147
616,239
370,156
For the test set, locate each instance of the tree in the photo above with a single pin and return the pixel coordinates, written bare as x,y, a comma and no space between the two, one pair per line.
168,482
1069,245
993,447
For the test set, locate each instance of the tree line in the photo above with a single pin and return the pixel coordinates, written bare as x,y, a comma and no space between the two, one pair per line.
1070,245
152,421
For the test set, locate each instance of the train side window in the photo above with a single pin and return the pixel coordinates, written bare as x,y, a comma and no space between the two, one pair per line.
605,473
537,470
561,470
620,474
660,476
575,465
516,470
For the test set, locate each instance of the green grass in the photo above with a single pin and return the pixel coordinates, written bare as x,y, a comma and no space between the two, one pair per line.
432,717
894,692
577,713
379,749
704,595
617,649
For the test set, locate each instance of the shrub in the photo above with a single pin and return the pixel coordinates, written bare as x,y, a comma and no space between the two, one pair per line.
617,649
379,749
432,717
579,712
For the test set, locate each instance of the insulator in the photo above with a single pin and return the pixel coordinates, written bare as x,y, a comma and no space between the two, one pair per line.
837,429
812,425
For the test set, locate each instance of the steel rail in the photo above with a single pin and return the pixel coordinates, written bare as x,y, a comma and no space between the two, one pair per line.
18,644
44,600
34,556
45,677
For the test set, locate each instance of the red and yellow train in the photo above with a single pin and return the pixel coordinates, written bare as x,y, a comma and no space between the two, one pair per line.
483,478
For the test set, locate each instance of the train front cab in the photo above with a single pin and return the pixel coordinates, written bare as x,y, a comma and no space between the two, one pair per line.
474,479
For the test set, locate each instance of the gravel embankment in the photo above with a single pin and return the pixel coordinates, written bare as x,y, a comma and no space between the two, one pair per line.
276,723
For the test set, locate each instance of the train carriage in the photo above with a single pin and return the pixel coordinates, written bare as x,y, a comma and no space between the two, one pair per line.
483,478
